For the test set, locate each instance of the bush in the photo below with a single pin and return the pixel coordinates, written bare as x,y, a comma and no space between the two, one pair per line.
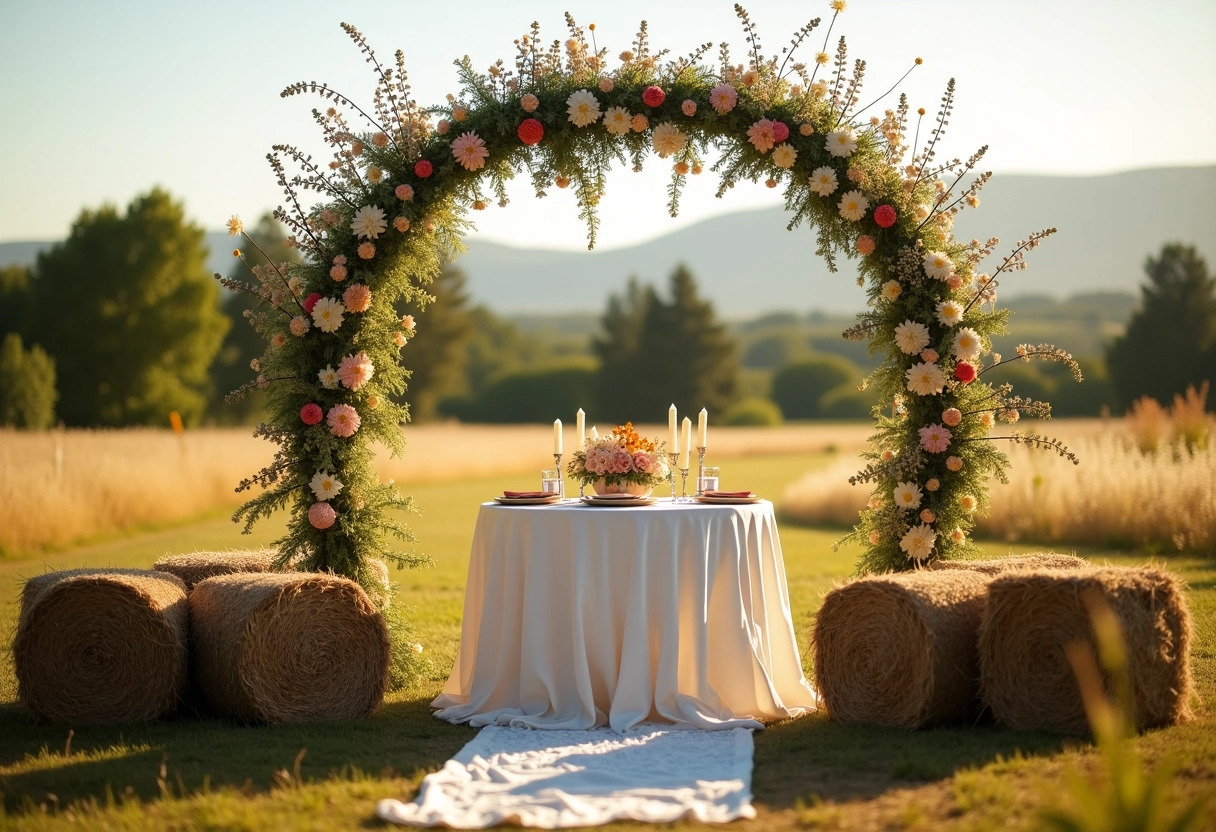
798,387
535,396
753,411
27,385
847,402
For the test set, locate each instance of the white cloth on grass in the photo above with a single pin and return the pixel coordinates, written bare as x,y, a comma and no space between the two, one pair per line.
556,779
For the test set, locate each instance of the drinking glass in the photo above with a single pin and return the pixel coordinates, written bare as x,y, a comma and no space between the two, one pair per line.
550,483
709,479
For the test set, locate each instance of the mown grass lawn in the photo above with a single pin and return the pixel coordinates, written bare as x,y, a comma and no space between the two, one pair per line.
197,772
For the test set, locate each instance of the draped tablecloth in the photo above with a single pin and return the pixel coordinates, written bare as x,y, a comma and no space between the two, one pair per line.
581,616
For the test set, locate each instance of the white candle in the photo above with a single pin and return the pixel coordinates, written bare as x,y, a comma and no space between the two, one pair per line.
702,428
671,429
685,442
595,434
557,436
580,428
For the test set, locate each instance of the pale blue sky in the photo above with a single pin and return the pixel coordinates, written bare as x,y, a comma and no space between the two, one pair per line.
101,101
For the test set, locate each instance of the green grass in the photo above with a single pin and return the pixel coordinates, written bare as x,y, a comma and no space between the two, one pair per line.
197,772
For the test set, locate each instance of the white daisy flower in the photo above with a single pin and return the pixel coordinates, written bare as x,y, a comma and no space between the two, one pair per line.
325,485
853,205
907,495
369,222
950,312
823,181
784,156
327,314
919,542
967,344
925,379
938,265
891,290
911,337
668,139
583,108
618,121
329,378
841,142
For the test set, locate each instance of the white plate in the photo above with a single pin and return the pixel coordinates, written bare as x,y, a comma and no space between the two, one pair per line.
528,501
593,500
709,498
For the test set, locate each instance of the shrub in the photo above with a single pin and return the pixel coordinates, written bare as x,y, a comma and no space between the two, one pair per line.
27,385
798,387
535,396
753,411
847,402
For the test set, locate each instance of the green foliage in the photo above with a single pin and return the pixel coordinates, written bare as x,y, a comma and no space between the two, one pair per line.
845,401
1171,339
14,298
654,353
773,350
753,411
27,385
798,388
437,361
531,396
128,312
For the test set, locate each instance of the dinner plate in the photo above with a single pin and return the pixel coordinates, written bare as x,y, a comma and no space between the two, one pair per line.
593,500
528,501
709,498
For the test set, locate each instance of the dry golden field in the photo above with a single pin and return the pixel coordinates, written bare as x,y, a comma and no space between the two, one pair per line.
64,486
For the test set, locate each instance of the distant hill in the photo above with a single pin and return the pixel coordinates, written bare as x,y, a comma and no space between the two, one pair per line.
747,263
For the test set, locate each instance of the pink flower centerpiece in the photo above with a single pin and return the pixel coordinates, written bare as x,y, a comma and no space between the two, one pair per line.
622,462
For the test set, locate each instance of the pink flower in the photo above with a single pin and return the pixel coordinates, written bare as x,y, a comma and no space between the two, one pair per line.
607,85
343,420
644,462
279,339
761,135
404,193
530,131
355,370
622,461
401,224
781,132
723,98
407,321
299,325
529,102
865,244
367,250
423,169
884,216
689,107
954,463
952,416
927,516
339,259
399,339
322,515
310,414
964,371
357,297
338,273
933,484
470,151
874,538
934,438
653,96
310,302
928,354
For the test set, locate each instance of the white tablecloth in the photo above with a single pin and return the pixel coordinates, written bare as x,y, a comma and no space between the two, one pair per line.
578,616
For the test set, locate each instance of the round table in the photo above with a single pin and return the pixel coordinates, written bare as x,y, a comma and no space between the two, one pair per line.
580,616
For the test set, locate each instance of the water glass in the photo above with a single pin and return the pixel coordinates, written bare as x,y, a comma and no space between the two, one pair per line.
709,479
550,483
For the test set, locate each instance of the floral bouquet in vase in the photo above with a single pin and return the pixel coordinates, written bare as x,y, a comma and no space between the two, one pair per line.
621,462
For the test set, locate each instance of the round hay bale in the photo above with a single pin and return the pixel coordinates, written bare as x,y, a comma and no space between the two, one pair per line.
900,650
287,647
997,566
1030,620
101,645
199,566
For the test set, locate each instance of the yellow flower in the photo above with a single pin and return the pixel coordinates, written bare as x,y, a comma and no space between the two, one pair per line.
235,226
838,6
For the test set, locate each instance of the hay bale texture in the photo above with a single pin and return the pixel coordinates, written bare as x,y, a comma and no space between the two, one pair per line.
287,647
1030,620
997,566
101,645
199,566
900,650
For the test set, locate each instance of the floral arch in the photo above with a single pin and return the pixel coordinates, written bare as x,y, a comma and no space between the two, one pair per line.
393,201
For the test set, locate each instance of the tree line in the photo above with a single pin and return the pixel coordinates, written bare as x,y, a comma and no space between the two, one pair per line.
121,323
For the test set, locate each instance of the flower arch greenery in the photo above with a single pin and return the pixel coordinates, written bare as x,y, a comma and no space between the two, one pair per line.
392,208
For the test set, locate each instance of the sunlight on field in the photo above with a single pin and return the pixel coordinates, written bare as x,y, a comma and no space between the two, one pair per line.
1117,496
60,487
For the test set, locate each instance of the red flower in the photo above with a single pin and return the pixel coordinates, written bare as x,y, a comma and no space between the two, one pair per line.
530,131
884,215
964,371
653,96
780,132
311,414
310,302
423,169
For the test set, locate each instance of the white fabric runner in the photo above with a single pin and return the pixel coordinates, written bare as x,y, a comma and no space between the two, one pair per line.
555,779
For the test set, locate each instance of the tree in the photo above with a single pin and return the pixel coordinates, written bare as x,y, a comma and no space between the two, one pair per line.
437,355
14,298
655,353
1171,339
242,343
27,385
799,388
128,311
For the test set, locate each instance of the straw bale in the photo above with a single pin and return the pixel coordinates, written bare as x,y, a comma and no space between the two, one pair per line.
101,645
900,650
1030,619
287,647
199,566
997,566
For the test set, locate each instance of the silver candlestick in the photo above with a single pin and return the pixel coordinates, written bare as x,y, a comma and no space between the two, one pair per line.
684,483
700,469
671,474
561,477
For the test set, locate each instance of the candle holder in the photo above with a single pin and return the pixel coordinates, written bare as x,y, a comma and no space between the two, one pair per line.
561,477
671,474
684,483
700,468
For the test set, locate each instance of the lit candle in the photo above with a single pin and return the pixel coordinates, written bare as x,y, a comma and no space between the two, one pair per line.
580,428
671,429
685,442
702,428
557,436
